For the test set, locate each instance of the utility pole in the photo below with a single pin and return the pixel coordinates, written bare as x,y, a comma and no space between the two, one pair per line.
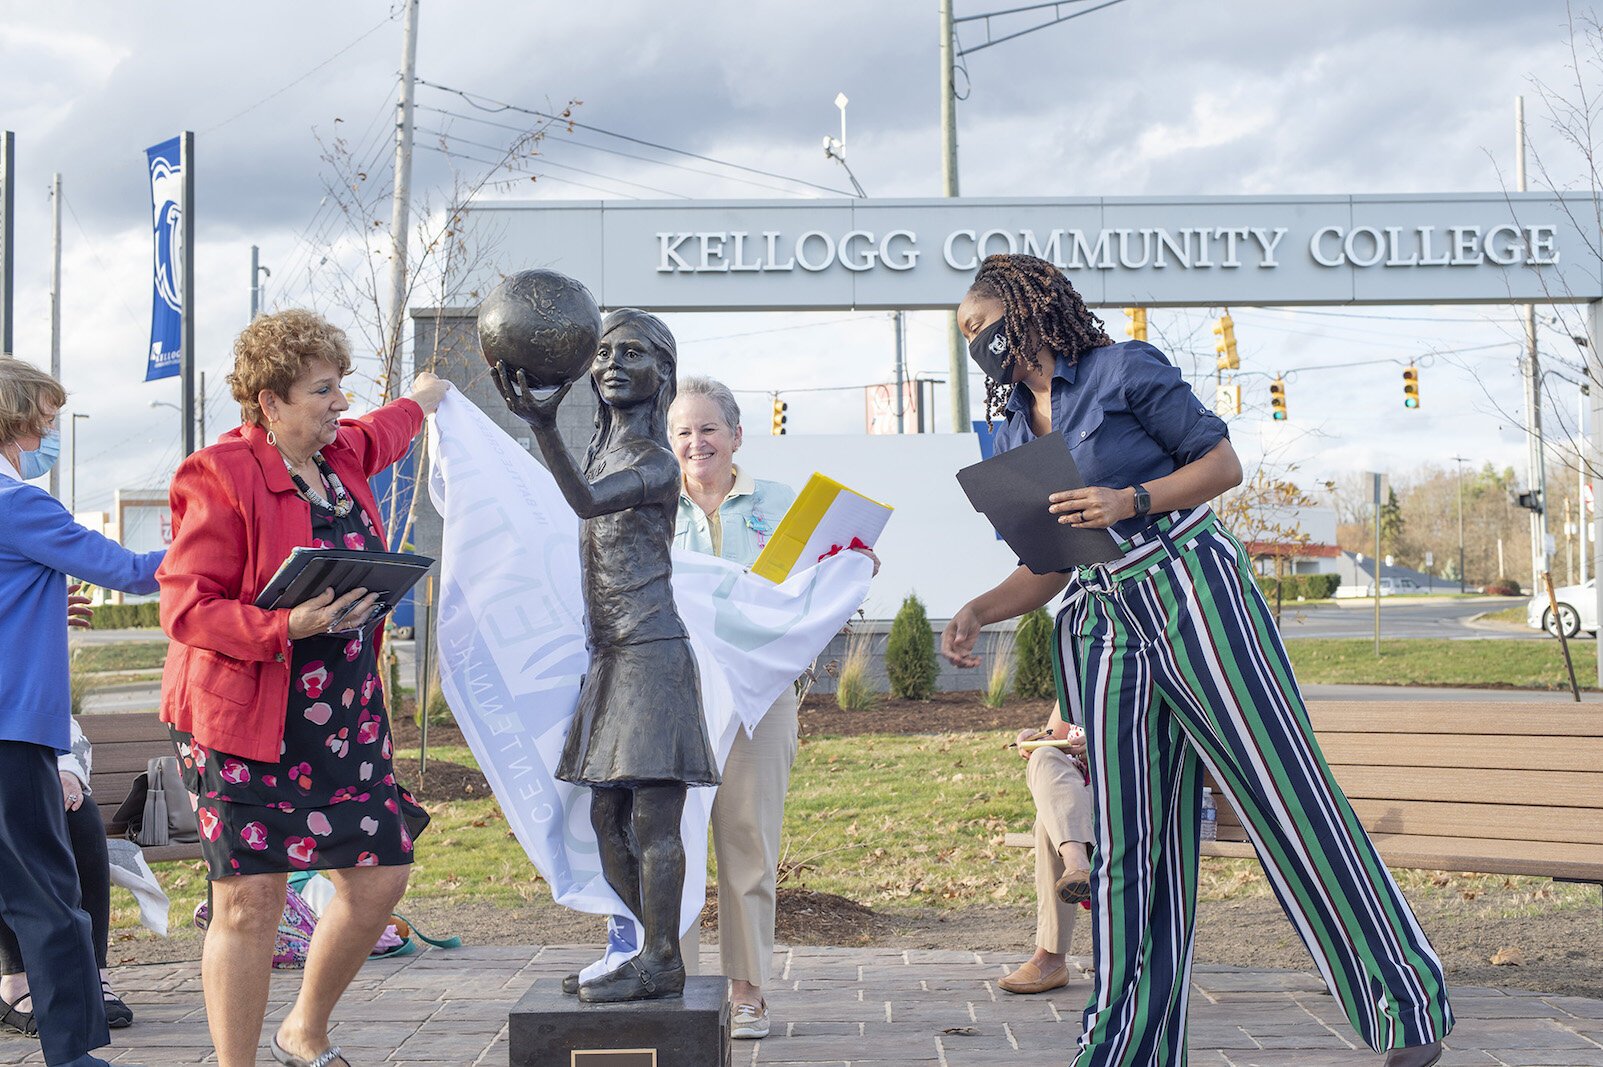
400,201
8,245
1458,463
901,371
55,304
1536,460
957,364
1052,12
186,346
201,409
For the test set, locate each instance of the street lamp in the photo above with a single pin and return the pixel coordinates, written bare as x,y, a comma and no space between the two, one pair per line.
200,408
74,497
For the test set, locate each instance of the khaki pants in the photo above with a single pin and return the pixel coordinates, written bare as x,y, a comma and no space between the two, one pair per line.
1062,814
746,818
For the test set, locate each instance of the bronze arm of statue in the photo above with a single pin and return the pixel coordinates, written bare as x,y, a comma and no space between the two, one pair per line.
615,492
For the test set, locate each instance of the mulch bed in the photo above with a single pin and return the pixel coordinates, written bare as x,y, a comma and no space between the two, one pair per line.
803,917
942,713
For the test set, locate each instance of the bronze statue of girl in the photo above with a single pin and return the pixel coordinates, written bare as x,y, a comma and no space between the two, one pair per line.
638,739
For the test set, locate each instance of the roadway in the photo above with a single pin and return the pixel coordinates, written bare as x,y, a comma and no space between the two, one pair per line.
1453,618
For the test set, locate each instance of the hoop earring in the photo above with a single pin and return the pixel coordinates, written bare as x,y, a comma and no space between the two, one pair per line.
272,438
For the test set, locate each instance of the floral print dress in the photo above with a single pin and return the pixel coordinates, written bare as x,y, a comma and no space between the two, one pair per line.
331,801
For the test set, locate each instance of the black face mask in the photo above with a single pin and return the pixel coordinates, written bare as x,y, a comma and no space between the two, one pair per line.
990,351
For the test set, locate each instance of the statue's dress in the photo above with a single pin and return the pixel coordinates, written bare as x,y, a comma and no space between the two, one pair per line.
639,719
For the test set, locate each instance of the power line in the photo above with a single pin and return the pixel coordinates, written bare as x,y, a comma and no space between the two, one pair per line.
498,166
576,143
544,161
472,101
279,92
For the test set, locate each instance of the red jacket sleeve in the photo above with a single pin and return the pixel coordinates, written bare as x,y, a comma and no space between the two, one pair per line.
202,576
381,438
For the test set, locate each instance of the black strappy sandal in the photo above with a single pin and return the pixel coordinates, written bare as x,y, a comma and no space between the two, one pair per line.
13,1020
118,1014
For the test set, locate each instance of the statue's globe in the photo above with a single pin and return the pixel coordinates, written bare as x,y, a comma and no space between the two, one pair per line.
543,323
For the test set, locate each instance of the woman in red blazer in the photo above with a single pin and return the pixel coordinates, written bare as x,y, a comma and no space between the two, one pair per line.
279,716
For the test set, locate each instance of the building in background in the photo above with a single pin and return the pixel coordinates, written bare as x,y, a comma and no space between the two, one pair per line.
140,520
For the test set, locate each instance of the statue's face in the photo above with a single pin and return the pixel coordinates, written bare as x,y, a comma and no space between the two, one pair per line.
626,369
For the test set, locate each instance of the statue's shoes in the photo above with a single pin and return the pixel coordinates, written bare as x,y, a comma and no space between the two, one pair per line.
631,981
570,984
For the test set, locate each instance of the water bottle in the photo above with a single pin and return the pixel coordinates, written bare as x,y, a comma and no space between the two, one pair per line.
1210,816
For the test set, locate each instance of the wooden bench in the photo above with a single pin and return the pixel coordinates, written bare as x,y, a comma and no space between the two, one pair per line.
123,746
1481,788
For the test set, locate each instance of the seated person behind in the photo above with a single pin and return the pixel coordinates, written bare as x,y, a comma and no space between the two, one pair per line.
1062,834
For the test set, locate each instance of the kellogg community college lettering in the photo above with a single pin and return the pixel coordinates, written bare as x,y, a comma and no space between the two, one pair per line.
1192,248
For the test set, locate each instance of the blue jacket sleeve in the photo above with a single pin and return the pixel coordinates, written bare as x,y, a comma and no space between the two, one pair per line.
1167,407
40,528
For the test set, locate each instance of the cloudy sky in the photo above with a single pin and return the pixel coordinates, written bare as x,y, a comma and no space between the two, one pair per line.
1147,97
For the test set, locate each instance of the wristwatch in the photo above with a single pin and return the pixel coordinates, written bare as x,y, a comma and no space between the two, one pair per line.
1143,501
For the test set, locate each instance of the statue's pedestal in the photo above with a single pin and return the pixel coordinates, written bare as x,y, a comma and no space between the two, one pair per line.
552,1029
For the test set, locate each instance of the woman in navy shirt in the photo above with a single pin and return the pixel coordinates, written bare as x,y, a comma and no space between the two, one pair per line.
1169,659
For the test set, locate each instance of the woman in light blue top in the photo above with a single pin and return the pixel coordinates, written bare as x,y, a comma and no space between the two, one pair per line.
725,512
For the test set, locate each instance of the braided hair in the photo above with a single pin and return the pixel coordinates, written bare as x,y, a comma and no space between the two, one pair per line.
1040,307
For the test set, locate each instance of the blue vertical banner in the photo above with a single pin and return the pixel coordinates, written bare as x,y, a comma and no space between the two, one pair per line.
167,218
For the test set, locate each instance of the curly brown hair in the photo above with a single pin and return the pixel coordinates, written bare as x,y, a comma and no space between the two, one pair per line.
1040,308
273,352
24,392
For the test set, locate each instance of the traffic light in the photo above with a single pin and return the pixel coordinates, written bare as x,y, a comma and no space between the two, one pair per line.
1277,399
780,407
1410,386
1225,328
1138,323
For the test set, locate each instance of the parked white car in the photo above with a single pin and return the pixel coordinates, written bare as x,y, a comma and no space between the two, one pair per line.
1577,610
1394,586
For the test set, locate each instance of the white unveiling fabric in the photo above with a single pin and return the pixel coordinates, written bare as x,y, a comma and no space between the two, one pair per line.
512,653
129,870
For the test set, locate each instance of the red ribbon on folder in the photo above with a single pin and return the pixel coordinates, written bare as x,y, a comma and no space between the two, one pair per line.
857,542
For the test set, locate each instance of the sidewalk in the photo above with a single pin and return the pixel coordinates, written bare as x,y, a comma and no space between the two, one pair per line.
836,1007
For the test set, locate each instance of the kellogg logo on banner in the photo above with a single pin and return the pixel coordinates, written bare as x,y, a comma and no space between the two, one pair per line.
167,219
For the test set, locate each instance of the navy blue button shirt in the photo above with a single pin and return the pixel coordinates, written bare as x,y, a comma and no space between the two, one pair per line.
1128,415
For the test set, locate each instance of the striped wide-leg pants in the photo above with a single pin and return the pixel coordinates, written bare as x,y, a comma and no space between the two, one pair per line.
1170,660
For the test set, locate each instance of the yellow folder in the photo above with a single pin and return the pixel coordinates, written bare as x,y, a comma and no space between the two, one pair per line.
826,514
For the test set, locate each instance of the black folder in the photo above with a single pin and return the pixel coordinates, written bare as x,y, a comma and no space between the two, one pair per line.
309,571
1011,490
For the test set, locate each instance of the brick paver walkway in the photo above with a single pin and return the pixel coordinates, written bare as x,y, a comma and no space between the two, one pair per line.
837,1007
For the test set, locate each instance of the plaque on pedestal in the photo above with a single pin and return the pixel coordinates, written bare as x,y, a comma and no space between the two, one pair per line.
549,1028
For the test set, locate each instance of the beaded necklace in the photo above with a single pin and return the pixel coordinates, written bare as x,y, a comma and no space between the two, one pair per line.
342,504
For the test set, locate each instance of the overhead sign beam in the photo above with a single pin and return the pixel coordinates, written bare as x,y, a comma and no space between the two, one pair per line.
752,255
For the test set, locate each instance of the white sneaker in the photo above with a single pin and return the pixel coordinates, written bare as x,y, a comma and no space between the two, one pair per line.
750,1022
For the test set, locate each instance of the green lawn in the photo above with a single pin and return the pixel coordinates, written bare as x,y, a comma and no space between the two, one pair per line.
896,822
1421,661
120,656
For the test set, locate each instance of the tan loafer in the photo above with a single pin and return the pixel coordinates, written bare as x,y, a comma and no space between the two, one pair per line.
1075,886
1029,979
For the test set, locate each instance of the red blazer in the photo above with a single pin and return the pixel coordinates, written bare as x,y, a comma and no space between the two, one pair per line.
236,517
